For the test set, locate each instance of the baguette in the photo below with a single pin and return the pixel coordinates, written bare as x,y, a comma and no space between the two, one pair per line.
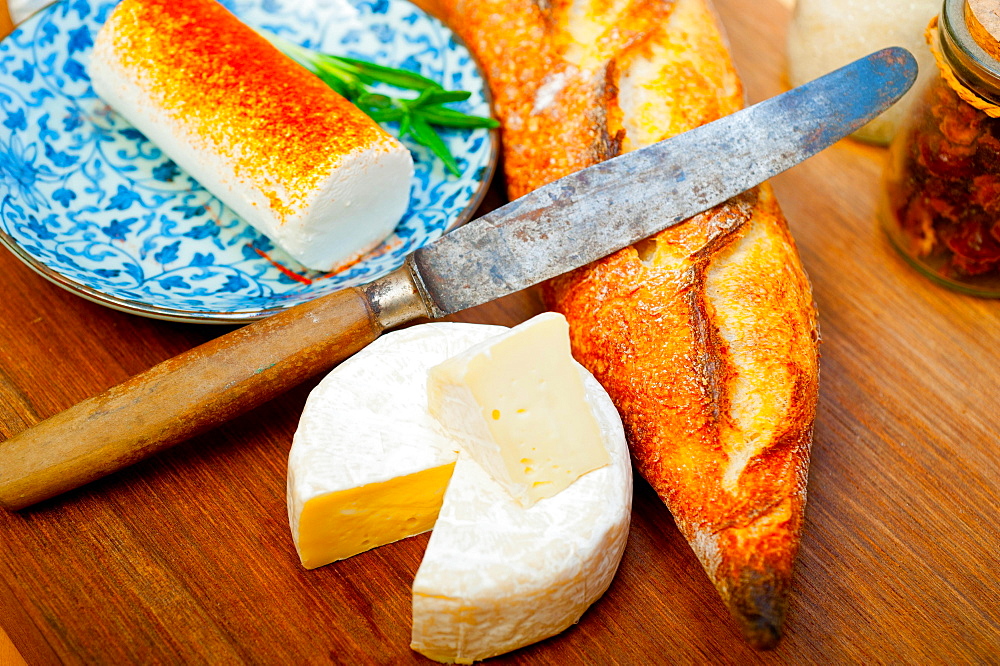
704,335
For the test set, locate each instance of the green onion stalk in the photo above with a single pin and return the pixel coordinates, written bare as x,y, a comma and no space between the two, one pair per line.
417,116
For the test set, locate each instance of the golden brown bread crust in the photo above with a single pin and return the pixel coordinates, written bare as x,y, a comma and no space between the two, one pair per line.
553,97
704,335
705,338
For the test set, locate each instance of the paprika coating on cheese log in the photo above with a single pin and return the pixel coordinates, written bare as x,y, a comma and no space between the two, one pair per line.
288,154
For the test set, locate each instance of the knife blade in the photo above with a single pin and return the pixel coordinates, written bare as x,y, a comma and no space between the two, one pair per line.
631,197
566,224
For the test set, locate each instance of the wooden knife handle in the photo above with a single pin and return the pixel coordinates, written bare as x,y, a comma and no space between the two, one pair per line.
198,390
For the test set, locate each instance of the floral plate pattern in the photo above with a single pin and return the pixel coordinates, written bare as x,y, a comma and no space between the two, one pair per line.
91,204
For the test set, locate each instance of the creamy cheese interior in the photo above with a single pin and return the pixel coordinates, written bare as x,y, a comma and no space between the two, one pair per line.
517,403
339,524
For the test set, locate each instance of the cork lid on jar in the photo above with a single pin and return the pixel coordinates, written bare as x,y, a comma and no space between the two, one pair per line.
968,33
982,17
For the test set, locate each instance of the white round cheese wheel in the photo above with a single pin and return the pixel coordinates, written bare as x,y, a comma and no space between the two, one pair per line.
496,576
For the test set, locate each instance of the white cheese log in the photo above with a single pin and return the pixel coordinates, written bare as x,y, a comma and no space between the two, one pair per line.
289,155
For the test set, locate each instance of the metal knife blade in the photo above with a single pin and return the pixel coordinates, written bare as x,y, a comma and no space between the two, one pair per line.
599,210
573,221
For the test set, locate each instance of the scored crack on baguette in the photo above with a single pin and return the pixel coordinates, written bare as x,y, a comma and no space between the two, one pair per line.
705,335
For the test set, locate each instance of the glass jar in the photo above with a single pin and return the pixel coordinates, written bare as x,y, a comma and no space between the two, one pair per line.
827,34
941,197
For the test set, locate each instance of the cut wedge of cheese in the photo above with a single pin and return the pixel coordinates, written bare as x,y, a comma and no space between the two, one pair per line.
497,576
518,405
369,465
289,155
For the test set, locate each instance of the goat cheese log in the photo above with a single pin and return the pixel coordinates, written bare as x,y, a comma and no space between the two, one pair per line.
704,335
290,156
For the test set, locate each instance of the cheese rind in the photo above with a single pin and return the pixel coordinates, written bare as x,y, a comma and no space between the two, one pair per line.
367,460
497,576
290,156
518,404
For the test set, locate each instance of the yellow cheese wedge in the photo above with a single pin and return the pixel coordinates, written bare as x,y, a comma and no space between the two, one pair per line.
517,404
339,524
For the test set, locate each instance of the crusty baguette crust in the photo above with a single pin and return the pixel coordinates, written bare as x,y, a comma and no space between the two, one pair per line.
705,338
704,335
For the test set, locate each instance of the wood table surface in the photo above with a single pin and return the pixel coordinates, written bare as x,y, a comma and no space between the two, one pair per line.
186,558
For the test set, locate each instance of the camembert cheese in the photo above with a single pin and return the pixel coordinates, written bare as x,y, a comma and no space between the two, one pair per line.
289,155
517,403
369,465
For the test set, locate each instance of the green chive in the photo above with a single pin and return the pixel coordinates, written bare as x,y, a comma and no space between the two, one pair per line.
387,115
352,78
430,97
397,78
451,118
374,101
423,133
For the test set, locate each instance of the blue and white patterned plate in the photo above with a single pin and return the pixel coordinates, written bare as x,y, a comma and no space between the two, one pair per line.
92,205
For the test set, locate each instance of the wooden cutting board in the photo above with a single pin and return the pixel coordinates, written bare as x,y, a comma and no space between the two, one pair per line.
187,557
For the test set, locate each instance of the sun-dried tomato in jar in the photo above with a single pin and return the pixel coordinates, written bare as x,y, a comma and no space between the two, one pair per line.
942,187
